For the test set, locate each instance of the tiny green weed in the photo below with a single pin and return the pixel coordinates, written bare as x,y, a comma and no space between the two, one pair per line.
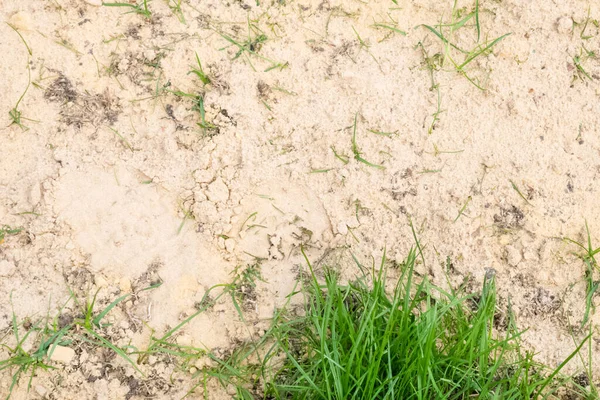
22,38
590,27
463,208
208,128
122,139
432,64
390,26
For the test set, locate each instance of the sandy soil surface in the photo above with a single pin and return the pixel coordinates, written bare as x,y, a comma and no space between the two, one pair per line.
320,130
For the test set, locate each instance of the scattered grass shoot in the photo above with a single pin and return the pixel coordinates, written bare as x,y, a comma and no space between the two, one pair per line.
16,116
381,133
364,45
343,158
432,64
516,189
356,151
578,60
22,38
251,47
122,138
140,8
175,7
589,259
463,208
457,56
6,230
588,22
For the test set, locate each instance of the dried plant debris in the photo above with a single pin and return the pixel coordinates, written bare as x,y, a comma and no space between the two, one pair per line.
78,109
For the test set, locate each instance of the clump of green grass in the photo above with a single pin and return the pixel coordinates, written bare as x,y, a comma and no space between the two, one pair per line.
22,362
455,55
85,327
590,29
416,341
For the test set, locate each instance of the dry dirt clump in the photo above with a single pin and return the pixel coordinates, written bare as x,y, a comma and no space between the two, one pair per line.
156,152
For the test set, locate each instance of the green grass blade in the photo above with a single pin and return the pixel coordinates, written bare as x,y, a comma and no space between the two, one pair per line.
96,321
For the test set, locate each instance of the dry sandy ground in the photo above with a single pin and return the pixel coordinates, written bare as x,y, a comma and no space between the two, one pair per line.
117,187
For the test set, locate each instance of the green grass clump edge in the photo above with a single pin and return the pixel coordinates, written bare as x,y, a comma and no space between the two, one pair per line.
413,341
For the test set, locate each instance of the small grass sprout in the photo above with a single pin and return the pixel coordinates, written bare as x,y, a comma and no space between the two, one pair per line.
7,230
357,155
588,256
579,60
251,47
15,114
199,72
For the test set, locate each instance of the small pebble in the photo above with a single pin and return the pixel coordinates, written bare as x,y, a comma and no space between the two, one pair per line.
513,256
62,354
22,21
564,24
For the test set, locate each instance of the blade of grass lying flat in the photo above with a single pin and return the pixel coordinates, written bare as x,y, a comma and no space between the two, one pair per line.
476,54
22,38
459,24
516,188
477,20
355,150
96,321
391,28
119,5
105,343
443,39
